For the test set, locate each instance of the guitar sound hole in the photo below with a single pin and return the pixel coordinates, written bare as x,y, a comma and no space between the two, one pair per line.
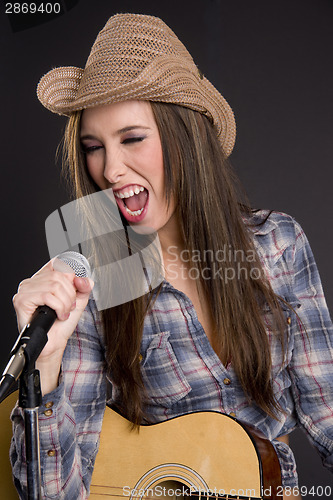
169,490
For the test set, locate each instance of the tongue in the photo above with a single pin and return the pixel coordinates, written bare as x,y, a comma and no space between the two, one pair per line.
137,201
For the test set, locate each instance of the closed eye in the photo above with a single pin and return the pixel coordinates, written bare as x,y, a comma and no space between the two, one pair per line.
130,140
89,149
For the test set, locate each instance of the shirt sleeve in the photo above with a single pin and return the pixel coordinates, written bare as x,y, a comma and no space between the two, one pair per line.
70,419
311,366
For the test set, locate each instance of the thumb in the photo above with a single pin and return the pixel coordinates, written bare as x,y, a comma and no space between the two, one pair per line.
83,288
83,285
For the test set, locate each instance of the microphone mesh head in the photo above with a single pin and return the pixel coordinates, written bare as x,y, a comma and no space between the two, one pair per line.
76,261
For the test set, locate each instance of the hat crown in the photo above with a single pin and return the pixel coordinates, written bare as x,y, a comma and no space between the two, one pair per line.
130,42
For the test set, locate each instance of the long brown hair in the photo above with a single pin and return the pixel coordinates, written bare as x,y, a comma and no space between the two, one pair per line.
213,214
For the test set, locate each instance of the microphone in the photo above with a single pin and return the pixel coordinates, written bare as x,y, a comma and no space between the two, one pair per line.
33,336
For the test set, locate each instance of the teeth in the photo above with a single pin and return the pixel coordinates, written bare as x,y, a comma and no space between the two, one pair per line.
137,212
129,194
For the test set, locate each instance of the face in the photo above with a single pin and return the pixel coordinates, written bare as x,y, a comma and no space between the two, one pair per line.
123,152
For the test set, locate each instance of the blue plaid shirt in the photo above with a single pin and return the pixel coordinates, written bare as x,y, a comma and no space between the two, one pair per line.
182,373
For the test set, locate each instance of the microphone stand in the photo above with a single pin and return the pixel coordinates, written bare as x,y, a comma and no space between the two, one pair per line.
30,398
25,353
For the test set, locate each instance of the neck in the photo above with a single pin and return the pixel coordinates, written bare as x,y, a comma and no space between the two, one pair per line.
170,237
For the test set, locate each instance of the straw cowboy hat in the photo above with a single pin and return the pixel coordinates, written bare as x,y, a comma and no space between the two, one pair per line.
137,57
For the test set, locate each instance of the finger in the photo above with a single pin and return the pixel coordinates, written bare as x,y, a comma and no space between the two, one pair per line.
51,289
46,268
26,304
59,304
56,283
83,285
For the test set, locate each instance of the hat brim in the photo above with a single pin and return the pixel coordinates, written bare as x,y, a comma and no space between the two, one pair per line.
65,90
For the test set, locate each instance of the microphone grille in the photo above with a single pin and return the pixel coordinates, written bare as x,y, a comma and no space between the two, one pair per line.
76,261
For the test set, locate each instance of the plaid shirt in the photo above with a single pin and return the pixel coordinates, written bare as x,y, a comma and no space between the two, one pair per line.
182,373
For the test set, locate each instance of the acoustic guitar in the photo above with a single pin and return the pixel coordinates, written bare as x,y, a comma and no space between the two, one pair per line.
202,454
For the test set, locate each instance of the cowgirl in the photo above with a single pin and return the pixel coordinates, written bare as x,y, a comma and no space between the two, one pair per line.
251,339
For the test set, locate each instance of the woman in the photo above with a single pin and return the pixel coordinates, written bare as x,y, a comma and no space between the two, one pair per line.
239,323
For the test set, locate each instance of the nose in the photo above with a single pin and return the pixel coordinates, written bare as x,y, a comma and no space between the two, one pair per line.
114,167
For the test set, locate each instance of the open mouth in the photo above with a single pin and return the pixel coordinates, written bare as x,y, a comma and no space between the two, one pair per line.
132,201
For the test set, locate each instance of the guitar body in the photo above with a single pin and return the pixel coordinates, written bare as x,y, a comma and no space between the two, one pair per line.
206,452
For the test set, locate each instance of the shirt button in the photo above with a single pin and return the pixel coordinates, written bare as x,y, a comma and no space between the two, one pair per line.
51,453
227,381
48,413
232,414
289,320
49,404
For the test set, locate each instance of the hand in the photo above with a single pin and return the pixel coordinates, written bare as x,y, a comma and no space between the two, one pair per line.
67,295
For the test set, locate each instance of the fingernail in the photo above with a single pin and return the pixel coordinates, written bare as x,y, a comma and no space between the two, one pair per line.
73,306
88,282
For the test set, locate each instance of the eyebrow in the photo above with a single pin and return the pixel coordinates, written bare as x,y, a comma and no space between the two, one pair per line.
131,127
119,132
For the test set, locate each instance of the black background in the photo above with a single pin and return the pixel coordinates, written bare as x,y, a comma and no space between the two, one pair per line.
272,60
